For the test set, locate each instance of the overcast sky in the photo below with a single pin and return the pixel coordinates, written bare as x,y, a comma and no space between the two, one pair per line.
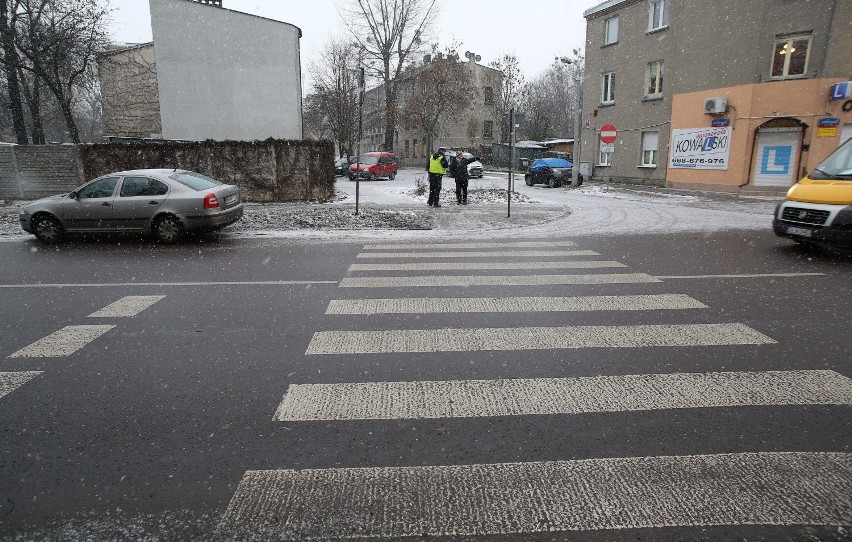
535,30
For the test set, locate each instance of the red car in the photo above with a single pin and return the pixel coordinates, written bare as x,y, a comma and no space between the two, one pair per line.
375,165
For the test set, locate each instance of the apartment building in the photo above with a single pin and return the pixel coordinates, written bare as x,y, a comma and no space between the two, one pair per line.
474,128
210,73
734,95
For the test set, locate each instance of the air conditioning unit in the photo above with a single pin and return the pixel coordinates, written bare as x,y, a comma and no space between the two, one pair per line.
715,106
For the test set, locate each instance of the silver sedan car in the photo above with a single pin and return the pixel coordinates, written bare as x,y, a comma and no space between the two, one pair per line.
165,202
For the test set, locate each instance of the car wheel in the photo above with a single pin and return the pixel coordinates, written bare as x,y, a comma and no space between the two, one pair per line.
47,229
528,181
393,175
168,229
551,182
579,180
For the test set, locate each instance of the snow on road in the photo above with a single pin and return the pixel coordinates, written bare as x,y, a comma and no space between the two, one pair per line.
397,210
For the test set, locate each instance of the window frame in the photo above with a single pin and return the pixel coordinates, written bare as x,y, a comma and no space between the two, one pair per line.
665,6
654,158
788,39
660,74
607,40
489,95
80,191
488,129
608,82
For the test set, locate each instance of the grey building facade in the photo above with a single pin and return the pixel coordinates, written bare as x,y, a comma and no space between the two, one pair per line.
649,62
473,129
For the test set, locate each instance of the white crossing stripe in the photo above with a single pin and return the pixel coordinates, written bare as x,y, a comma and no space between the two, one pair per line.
205,283
127,306
439,246
462,266
64,342
769,488
532,338
495,280
536,396
10,381
430,305
743,276
479,254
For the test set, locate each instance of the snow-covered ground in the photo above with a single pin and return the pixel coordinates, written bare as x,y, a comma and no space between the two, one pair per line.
397,210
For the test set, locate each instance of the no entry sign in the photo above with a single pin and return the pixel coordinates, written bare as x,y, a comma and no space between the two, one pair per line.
608,133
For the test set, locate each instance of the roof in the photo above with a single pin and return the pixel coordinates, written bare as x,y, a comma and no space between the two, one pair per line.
555,141
603,6
527,144
123,47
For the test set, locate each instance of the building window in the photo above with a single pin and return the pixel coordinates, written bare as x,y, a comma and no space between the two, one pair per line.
488,129
790,56
654,78
611,31
604,158
649,148
658,15
489,96
406,149
608,88
414,148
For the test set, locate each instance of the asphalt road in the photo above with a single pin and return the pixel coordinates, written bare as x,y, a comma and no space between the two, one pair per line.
152,427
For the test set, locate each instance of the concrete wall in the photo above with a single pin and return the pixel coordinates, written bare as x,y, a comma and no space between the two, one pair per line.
265,171
225,75
29,171
131,101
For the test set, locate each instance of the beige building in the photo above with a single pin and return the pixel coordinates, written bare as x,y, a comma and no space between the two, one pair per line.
210,73
475,128
731,95
131,101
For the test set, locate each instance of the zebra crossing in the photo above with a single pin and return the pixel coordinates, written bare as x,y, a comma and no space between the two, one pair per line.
68,340
752,488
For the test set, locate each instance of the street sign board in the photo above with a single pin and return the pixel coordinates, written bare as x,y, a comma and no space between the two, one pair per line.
607,147
608,133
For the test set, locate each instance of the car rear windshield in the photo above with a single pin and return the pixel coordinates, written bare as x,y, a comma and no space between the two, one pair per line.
196,181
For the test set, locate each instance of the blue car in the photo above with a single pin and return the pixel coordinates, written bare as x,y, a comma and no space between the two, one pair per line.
553,172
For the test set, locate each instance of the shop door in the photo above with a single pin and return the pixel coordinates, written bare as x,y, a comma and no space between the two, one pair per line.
777,156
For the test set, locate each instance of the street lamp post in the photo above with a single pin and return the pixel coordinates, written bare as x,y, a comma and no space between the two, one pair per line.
578,119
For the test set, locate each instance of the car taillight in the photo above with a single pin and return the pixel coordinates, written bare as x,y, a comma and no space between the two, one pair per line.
210,201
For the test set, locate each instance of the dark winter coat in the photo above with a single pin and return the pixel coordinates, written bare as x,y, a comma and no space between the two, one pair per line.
460,168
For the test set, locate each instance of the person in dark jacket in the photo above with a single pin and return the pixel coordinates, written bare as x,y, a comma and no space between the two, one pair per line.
462,176
437,169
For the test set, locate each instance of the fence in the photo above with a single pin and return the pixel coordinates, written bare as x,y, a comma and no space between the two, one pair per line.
265,171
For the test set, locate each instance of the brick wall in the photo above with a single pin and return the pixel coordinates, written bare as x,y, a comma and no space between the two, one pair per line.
265,171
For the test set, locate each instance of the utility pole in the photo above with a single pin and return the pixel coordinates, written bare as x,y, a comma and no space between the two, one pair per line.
360,130
511,163
578,118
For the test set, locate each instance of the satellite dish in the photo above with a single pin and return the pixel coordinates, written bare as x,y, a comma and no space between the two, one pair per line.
478,58
427,59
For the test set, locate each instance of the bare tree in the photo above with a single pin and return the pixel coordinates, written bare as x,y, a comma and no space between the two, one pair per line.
334,92
8,15
389,32
549,100
437,91
59,40
511,90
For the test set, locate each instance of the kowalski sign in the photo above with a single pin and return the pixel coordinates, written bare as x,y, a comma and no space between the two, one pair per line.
700,148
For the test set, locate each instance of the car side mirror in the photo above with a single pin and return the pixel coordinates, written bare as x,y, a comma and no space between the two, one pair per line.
72,195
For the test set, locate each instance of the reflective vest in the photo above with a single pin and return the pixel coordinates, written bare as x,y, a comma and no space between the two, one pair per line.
435,165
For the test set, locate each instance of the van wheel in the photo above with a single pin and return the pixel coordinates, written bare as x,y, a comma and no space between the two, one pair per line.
168,229
393,176
47,229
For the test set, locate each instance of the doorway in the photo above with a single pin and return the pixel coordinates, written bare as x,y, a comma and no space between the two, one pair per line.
777,157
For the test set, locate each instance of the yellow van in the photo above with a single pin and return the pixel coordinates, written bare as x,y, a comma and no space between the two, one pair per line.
818,208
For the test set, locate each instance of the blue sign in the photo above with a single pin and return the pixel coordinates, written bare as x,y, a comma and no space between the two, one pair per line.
831,122
841,91
776,160
720,123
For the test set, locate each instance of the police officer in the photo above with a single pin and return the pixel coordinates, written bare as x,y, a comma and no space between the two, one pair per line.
437,170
